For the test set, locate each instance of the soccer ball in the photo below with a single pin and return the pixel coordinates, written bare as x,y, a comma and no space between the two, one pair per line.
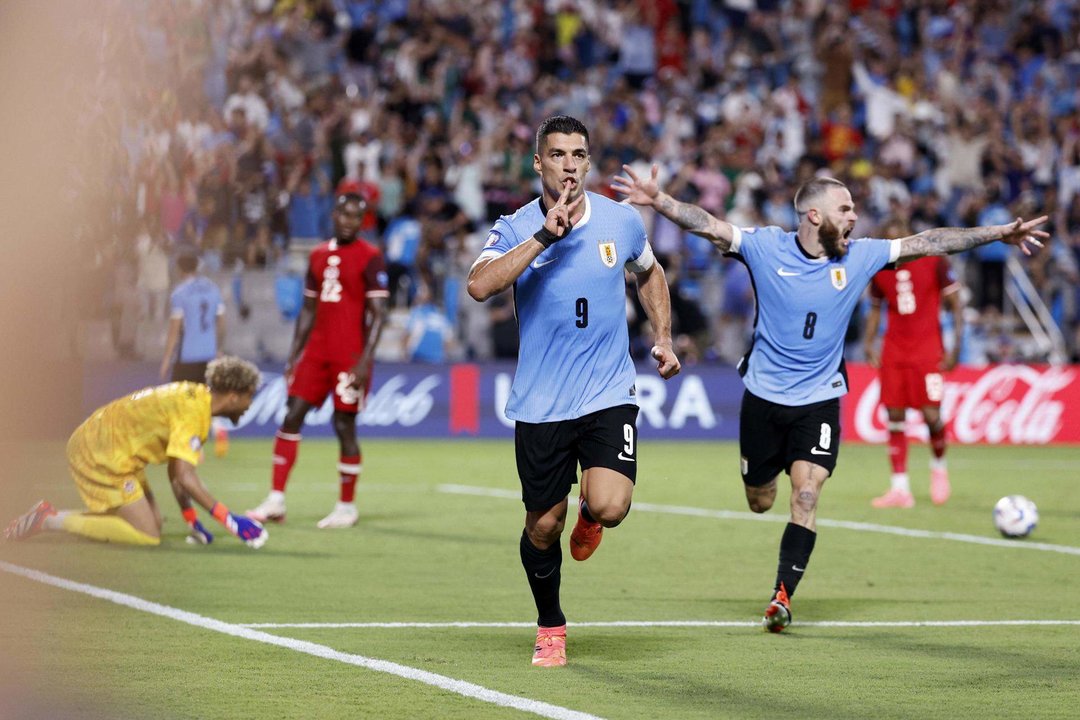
1015,516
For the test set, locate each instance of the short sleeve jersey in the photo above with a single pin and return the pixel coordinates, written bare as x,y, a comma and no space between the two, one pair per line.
197,303
912,293
146,427
574,355
804,305
341,278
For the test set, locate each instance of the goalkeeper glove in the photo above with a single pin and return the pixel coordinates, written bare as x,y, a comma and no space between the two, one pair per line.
250,532
198,534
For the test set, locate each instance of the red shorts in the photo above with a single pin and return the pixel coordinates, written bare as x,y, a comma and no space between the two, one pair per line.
314,377
911,386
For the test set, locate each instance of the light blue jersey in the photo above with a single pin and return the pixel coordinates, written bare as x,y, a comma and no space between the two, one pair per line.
197,301
574,356
804,305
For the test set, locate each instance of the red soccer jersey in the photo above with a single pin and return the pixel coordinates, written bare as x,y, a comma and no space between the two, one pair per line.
912,294
342,278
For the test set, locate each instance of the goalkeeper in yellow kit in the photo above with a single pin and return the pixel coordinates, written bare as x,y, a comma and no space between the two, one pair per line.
108,454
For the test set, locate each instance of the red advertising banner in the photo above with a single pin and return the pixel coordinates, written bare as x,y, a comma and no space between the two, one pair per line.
999,404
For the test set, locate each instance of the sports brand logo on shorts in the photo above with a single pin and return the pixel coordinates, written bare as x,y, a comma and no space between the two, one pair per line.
838,275
129,487
607,253
195,443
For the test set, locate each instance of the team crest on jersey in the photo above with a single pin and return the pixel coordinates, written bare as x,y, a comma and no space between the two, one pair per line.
607,253
838,275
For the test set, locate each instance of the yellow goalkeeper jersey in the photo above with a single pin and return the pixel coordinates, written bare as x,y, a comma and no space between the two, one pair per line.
149,426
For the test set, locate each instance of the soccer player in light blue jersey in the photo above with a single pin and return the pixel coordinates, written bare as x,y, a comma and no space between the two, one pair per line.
573,396
196,323
807,284
196,332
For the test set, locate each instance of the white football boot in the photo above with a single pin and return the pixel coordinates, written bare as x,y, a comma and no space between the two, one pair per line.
272,509
342,516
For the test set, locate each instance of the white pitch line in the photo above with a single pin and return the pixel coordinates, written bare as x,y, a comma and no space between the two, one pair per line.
781,518
664,623
460,687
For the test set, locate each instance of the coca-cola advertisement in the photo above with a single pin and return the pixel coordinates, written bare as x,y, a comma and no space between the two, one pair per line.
1000,404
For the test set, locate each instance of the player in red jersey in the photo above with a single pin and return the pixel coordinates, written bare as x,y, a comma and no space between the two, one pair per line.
911,361
345,298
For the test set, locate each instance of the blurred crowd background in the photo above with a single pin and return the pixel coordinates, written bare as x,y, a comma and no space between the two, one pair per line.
240,120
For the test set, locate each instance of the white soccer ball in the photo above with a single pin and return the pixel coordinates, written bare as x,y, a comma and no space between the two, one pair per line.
1015,516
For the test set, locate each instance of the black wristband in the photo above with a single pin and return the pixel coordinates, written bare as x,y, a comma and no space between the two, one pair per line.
545,237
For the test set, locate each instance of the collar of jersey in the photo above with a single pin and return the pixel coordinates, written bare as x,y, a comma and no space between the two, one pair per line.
584,216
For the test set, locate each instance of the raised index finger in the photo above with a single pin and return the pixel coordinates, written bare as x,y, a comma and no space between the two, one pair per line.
565,194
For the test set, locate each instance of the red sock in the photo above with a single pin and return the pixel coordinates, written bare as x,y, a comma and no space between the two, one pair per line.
349,467
897,447
937,440
285,447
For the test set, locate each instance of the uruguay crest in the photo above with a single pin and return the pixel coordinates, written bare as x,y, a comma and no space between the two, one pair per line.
838,274
607,254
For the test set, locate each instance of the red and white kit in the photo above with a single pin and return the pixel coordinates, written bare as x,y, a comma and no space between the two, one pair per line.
341,278
912,352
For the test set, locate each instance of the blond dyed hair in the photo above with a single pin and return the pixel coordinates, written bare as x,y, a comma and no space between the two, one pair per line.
232,374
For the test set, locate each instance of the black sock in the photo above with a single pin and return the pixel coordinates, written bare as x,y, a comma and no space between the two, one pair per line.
543,568
795,548
584,507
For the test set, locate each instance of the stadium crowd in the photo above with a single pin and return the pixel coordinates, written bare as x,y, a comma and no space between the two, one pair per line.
245,117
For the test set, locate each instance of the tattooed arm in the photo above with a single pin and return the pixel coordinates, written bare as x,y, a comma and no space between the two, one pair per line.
946,241
690,217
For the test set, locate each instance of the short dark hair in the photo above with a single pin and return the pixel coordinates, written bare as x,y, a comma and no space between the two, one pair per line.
812,190
187,261
560,124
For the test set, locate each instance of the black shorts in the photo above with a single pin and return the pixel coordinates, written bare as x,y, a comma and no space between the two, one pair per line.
548,454
190,371
773,436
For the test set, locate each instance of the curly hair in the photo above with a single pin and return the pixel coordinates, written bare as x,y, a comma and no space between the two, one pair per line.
232,374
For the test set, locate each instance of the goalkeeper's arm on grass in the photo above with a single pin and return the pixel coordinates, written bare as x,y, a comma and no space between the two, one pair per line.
187,487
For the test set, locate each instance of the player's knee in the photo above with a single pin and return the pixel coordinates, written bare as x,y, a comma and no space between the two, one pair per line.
759,504
544,533
610,514
293,422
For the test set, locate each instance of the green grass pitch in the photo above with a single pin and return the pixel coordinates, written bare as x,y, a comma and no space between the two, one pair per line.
437,543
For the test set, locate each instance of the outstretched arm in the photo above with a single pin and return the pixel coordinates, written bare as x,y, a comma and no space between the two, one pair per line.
646,192
656,299
946,241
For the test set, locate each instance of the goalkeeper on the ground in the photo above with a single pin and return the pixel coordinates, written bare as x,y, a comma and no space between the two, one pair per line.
109,452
